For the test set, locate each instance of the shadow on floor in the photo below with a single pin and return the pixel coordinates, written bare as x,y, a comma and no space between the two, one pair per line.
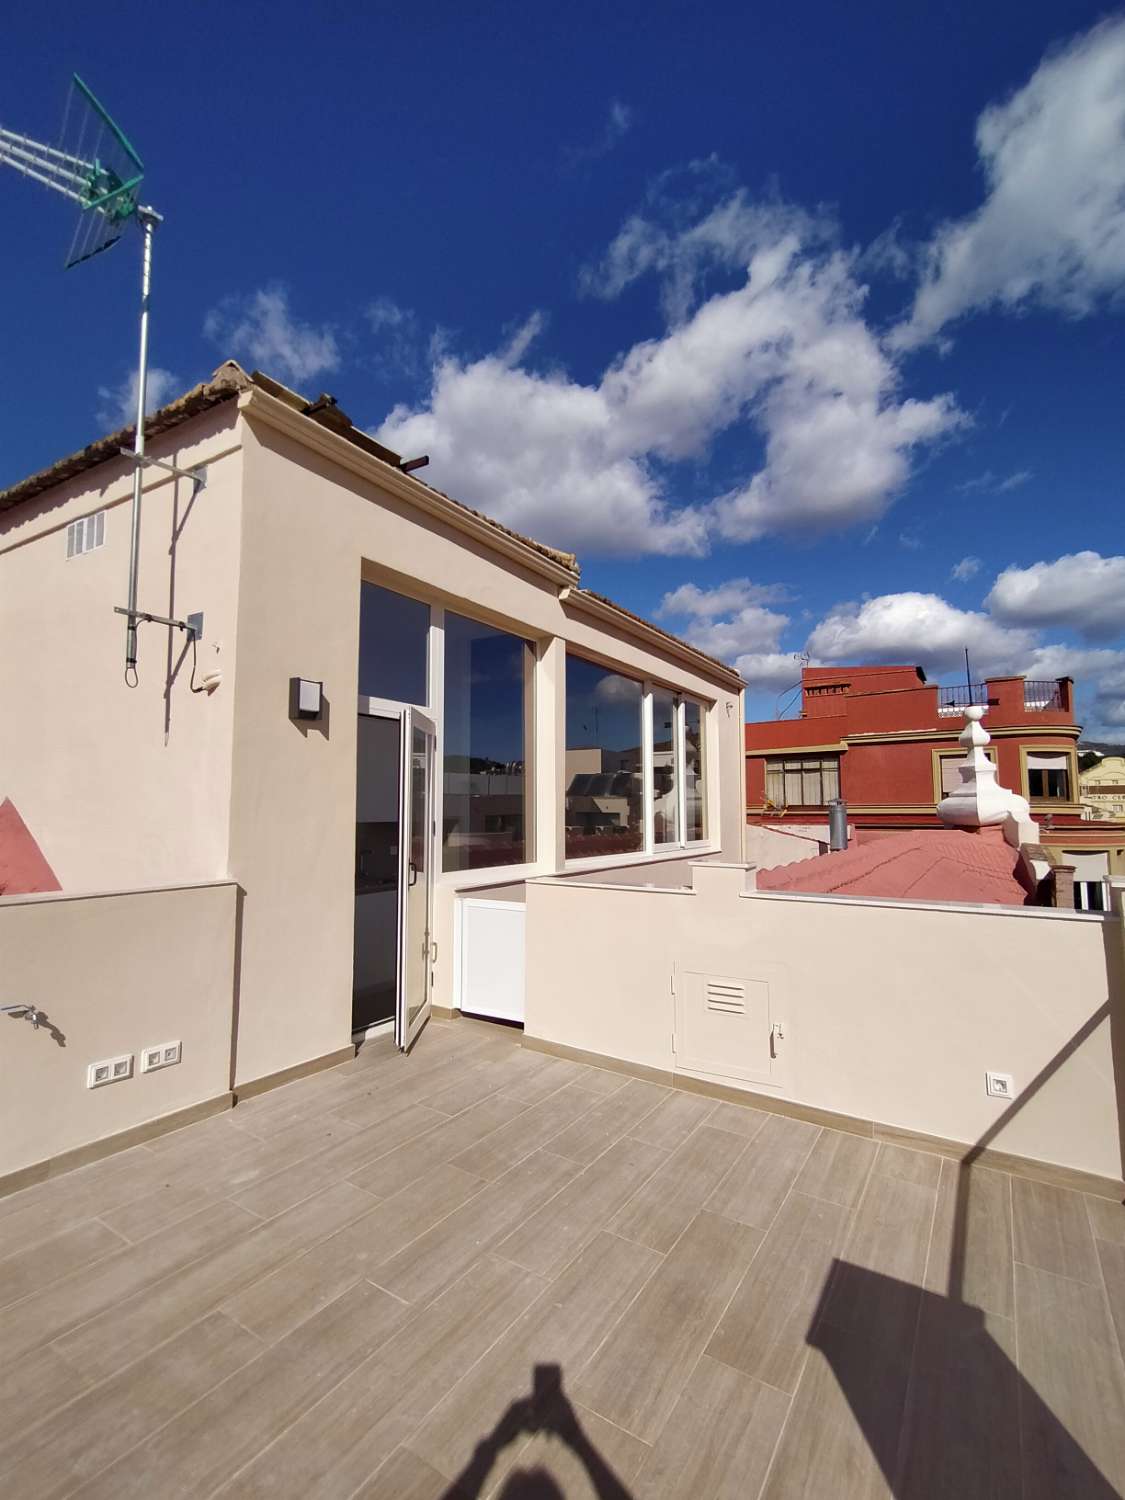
941,1406
545,1410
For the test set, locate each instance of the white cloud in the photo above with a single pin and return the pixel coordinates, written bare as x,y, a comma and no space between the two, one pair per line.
261,329
770,671
117,404
747,634
690,600
1051,229
967,568
921,629
1083,590
786,357
989,483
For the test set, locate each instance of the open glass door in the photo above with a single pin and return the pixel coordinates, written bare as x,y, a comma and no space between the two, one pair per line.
416,876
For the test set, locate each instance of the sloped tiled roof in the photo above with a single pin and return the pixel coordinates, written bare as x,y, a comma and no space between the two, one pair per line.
940,864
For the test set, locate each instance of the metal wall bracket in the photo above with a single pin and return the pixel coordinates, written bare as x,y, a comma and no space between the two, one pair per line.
192,626
198,476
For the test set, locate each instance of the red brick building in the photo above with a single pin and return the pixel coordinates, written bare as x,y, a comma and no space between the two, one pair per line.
885,740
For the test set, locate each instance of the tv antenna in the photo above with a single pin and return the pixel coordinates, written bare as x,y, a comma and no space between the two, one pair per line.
97,167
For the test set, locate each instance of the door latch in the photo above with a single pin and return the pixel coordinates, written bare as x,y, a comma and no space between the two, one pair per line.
777,1034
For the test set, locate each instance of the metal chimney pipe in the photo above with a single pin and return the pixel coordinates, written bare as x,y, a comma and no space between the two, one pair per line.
837,824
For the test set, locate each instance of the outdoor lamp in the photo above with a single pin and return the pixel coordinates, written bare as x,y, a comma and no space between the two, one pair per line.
306,698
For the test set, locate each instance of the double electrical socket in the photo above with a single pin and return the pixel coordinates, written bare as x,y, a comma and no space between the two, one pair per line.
117,1069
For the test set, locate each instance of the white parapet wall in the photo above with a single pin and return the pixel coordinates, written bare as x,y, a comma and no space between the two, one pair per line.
883,1011
113,975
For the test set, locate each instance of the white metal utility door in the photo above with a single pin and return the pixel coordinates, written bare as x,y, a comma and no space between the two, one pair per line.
416,949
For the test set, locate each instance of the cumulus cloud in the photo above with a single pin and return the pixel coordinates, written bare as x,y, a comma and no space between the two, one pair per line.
967,568
1051,228
1083,590
690,600
117,404
989,483
730,621
261,329
922,629
785,357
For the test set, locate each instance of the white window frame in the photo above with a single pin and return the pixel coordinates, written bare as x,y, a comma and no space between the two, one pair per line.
650,850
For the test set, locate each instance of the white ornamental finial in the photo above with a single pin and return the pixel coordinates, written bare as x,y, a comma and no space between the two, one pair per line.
980,801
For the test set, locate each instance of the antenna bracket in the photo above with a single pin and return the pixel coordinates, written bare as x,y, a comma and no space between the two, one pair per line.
193,625
198,476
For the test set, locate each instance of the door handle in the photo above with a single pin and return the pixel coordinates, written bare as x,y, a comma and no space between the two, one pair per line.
433,951
413,873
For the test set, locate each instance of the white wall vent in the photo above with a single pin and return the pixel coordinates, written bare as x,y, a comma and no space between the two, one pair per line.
725,995
85,534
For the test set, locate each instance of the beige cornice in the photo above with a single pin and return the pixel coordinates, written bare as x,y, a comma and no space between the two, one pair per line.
1017,731
258,406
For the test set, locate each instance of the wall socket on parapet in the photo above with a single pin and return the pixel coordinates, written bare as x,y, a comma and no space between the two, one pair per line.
164,1056
109,1070
999,1085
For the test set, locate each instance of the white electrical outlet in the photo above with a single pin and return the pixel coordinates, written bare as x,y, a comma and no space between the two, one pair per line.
999,1085
164,1056
109,1070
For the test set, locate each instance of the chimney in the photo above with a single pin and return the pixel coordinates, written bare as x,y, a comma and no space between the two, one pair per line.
1062,887
837,824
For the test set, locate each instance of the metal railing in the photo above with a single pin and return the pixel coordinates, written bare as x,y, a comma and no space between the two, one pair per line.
962,695
1042,695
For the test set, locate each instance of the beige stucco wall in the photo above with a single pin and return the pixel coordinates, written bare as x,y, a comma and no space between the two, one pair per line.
123,786
311,529
891,1012
114,974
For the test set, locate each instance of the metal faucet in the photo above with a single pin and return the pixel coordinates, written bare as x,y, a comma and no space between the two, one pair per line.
30,1012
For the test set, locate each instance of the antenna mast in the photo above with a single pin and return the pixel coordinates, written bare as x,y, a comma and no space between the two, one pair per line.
102,173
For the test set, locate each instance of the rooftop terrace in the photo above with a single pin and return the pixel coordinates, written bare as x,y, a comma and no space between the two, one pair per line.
481,1271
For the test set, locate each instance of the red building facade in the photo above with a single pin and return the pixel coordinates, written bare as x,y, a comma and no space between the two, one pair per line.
885,740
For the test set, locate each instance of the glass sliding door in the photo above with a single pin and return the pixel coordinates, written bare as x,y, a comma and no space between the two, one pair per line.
695,785
604,761
416,949
665,755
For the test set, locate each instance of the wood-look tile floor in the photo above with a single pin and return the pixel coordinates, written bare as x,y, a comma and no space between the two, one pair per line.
481,1271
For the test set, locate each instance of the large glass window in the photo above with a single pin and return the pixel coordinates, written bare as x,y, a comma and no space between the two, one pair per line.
604,761
695,798
803,781
487,739
393,646
665,754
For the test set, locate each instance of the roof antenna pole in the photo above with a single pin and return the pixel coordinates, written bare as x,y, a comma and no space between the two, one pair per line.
148,219
968,676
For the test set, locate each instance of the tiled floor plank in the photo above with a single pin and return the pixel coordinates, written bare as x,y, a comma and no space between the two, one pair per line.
637,1375
537,1126
755,1187
33,1269
837,1168
660,1210
617,1115
211,1440
1072,1395
719,1439
764,1330
124,1330
1052,1230
491,1412
972,1239
551,1237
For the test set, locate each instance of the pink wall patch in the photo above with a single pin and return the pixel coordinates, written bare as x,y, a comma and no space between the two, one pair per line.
23,865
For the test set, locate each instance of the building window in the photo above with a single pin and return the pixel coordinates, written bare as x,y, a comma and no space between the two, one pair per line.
1048,776
695,799
803,781
604,761
665,755
487,730
393,646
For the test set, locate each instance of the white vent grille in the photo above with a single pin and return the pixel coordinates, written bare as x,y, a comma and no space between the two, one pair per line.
85,534
722,995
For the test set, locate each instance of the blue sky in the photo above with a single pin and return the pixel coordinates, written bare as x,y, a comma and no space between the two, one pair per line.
803,326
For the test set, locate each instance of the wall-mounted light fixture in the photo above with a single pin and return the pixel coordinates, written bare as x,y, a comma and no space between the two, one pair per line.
306,698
